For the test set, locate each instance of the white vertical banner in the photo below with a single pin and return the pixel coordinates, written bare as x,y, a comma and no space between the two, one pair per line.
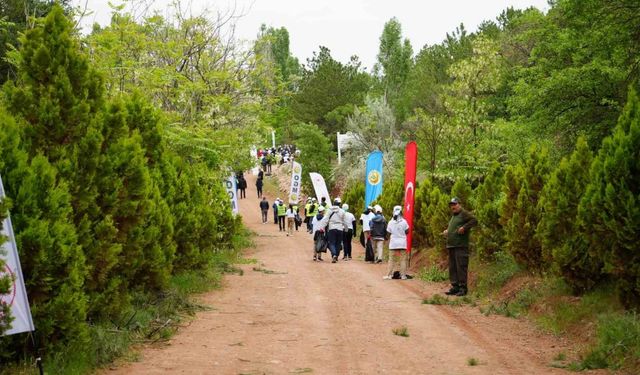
17,296
296,179
320,187
232,190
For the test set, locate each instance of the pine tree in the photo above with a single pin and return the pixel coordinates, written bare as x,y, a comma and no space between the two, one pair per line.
462,190
52,261
421,228
558,229
438,215
519,212
609,212
487,200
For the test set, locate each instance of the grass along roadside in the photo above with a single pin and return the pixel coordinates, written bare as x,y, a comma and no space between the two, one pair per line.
152,318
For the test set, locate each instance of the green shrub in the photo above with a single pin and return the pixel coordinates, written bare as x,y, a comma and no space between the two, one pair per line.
433,274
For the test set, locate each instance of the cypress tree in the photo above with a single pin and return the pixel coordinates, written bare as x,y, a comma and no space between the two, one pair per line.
609,212
421,229
438,215
462,190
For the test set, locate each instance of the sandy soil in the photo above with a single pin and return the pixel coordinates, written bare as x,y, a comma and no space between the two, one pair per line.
300,316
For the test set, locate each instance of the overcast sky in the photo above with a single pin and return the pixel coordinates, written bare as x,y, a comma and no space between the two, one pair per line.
346,27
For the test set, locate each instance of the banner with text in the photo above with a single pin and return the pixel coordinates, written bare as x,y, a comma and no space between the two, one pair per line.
373,183
232,190
320,187
296,179
16,299
410,163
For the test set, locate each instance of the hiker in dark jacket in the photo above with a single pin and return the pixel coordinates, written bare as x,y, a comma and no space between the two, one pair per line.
264,207
259,187
378,226
458,246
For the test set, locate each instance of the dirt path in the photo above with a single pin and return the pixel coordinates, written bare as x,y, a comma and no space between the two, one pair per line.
299,316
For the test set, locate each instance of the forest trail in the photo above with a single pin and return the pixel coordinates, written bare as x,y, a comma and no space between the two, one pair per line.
290,315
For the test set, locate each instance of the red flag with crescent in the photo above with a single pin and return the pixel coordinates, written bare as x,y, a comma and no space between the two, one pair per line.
410,163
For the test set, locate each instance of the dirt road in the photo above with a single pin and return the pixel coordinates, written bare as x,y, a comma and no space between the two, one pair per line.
294,315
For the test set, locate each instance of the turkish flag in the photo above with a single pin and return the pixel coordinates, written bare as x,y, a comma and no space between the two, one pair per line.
410,163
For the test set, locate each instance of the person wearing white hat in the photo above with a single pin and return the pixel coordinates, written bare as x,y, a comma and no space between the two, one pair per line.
318,234
365,240
349,230
378,227
398,228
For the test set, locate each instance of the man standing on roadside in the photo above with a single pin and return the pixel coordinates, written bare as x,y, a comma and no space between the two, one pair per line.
458,246
264,208
378,226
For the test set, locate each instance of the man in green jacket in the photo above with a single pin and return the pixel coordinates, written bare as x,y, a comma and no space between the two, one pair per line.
458,246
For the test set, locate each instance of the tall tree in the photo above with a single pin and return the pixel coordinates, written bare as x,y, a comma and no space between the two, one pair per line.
327,89
395,60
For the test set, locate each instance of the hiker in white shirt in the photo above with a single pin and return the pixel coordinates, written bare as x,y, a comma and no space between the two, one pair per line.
398,228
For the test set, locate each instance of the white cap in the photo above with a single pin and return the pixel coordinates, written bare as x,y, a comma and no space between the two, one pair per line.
397,210
377,208
345,207
321,208
338,200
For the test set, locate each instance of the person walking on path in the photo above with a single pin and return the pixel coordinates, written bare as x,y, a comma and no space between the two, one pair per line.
457,235
275,210
264,207
282,213
259,185
365,220
378,226
318,233
242,185
349,230
334,224
398,228
291,215
296,216
311,212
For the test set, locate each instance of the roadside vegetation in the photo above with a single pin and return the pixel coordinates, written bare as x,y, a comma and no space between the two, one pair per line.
114,146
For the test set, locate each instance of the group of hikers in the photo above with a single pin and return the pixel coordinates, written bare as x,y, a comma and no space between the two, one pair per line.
276,155
334,226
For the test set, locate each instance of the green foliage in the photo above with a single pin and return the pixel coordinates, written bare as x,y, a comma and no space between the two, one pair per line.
354,197
618,346
558,230
609,213
438,214
395,60
487,199
315,153
519,213
433,274
327,85
496,274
